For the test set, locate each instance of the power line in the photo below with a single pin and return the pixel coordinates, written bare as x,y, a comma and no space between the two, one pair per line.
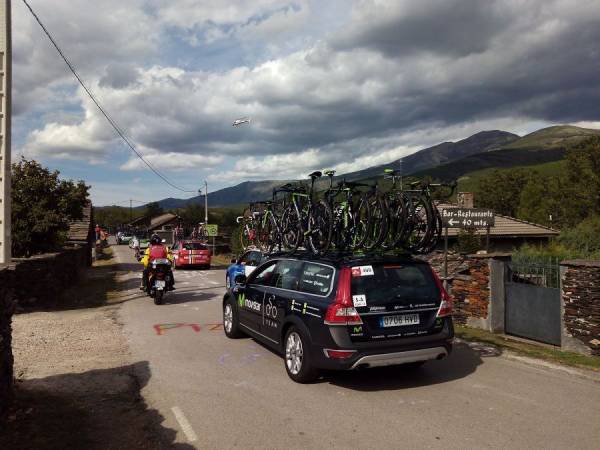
97,103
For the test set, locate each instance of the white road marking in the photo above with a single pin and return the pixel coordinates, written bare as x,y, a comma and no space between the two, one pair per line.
184,424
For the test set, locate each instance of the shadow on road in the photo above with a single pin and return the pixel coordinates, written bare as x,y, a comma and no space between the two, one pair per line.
462,362
97,409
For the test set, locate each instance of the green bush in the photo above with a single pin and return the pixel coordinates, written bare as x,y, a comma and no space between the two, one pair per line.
42,206
468,241
584,239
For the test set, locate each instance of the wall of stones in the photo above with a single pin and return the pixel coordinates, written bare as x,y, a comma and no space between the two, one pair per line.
36,282
40,280
468,284
581,305
7,306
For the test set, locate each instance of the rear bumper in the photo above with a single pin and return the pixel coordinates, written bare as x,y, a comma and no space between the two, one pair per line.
390,359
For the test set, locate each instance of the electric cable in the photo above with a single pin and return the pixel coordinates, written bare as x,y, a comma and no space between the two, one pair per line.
97,103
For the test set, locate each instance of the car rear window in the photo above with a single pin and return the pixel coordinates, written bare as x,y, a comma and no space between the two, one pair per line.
315,279
194,246
389,283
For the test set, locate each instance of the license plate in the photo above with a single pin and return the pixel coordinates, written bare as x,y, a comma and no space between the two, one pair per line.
399,320
160,284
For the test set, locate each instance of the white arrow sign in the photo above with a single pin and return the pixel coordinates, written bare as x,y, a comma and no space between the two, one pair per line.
451,222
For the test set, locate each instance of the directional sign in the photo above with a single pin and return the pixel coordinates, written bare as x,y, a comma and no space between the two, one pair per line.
212,230
467,217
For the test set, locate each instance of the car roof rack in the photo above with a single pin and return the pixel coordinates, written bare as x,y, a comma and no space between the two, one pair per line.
343,256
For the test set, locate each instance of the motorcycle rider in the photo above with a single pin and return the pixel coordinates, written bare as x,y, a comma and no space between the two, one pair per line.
156,250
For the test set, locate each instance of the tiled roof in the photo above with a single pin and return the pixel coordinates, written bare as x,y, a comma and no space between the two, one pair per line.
508,227
79,230
161,220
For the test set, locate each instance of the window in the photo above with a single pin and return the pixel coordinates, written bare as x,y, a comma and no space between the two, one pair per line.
316,279
286,275
392,283
264,277
194,246
253,258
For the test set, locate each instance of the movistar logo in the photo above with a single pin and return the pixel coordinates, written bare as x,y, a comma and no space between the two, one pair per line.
241,299
358,329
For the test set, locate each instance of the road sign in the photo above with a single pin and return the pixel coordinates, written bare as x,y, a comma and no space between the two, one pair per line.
467,217
212,230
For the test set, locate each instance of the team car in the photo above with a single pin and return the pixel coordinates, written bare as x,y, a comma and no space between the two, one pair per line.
342,313
190,253
244,265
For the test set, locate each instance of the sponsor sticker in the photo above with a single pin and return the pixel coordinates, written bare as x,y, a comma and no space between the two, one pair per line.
362,271
359,300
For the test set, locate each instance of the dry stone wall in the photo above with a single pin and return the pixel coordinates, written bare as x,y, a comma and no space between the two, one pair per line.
581,305
7,306
36,282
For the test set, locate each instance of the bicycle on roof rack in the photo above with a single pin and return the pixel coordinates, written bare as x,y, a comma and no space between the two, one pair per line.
350,217
306,221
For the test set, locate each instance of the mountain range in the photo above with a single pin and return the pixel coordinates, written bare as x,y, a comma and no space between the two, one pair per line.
444,161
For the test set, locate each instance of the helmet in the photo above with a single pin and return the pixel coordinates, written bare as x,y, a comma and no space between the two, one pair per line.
155,239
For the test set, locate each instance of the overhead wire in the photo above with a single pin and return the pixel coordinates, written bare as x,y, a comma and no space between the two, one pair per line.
110,120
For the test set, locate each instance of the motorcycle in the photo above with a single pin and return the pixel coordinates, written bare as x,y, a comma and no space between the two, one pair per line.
159,279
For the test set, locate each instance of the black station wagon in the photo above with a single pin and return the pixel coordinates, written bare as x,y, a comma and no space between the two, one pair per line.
342,312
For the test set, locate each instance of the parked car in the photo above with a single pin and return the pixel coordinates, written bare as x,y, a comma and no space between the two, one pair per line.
124,238
191,253
142,241
342,313
244,265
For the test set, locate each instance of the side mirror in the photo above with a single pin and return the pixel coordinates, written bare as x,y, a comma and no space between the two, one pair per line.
240,279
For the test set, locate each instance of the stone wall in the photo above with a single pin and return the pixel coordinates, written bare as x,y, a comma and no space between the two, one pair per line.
581,306
7,306
476,284
40,280
35,282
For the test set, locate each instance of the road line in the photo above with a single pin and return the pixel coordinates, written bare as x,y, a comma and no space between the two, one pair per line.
184,424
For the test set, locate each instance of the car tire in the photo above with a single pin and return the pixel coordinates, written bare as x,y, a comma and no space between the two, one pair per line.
297,357
231,324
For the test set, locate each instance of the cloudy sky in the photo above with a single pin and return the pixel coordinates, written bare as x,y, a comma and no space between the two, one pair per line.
331,83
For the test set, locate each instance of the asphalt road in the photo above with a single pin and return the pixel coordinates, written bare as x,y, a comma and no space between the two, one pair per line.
222,393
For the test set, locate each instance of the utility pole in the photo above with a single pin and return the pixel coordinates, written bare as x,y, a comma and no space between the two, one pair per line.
5,112
205,202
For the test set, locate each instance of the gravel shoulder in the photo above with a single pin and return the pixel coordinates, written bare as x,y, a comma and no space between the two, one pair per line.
77,385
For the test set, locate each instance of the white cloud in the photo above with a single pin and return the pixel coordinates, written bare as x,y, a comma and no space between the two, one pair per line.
172,161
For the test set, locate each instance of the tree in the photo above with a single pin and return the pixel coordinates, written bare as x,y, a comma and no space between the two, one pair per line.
501,190
581,188
153,210
42,207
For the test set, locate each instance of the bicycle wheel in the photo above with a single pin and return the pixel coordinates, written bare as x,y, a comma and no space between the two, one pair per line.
377,222
320,224
292,230
436,233
400,220
245,237
338,234
357,233
421,223
274,237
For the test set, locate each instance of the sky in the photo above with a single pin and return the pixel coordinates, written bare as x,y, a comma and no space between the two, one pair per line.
342,84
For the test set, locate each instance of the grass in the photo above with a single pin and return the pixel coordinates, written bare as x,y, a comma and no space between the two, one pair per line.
222,259
531,350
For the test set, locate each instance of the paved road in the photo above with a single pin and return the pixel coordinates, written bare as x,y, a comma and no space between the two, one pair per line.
221,393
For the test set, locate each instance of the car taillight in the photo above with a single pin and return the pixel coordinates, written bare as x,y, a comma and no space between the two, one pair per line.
338,354
342,311
446,303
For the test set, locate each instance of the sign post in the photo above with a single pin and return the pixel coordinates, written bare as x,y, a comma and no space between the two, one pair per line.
465,218
211,231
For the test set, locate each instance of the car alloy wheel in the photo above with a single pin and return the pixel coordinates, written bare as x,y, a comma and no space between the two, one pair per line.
228,318
294,353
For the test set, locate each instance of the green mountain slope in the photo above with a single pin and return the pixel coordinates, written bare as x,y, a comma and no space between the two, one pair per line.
540,147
